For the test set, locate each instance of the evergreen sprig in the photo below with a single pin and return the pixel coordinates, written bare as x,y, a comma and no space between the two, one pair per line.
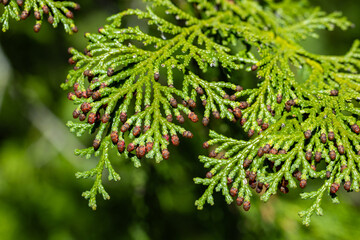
55,11
302,119
125,84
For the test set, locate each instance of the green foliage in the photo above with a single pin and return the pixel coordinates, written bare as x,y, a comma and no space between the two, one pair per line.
56,12
122,73
302,119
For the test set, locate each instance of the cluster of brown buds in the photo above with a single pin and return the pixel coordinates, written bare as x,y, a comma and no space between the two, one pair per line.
38,14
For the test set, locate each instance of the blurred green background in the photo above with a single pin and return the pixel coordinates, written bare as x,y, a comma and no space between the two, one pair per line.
41,199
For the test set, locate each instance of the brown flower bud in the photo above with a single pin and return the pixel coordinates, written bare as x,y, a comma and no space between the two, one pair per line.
130,147
193,117
246,205
278,98
212,154
253,184
243,105
199,90
156,76
69,14
92,118
347,185
85,107
237,113
123,117
209,175
297,175
37,27
24,14
76,113
251,133
332,155
50,19
125,127
70,96
149,146
140,152
110,72
20,2
216,114
96,95
175,140
173,103
239,88
169,118
191,103
334,92
165,154
205,145
334,188
355,128
205,121
254,67
307,134
273,151
74,29
282,151
82,117
114,137
136,130
78,94
260,152
166,137
341,149
303,183
284,190
187,134
252,176
331,136
266,148
317,156
204,102
308,155
242,121
247,163
233,191
323,138
287,107
180,119
105,118
37,15
239,201
96,144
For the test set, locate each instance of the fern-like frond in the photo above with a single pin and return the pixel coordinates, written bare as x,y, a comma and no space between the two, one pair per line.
303,121
130,85
54,12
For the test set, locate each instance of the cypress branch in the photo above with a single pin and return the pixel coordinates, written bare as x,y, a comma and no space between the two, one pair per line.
55,11
129,85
